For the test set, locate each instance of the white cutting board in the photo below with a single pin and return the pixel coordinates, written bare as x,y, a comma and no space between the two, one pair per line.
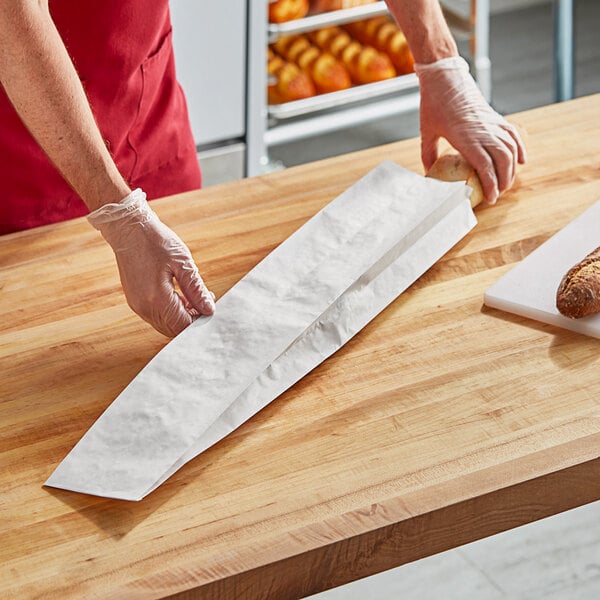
529,289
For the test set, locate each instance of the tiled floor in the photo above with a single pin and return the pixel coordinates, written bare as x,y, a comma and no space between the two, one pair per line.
557,558
554,559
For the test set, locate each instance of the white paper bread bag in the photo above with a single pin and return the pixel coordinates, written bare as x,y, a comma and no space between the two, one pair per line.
294,309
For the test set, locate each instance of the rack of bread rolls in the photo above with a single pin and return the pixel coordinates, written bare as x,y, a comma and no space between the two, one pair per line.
322,47
332,64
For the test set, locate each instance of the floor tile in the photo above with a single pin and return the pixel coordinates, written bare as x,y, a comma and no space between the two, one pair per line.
545,557
447,575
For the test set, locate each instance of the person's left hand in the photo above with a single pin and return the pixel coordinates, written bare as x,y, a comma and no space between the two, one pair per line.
150,256
453,107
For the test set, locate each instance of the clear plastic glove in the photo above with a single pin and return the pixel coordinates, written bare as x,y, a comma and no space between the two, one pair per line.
453,107
149,255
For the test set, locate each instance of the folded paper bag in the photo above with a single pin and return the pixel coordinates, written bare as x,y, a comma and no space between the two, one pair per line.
294,309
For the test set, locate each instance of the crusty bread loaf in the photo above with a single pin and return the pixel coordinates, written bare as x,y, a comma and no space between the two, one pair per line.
287,10
383,34
454,167
578,294
287,82
327,73
365,63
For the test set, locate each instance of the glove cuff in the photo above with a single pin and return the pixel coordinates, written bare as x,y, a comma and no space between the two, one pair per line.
444,64
133,205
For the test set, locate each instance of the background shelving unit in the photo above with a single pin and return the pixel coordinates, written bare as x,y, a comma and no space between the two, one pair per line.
270,125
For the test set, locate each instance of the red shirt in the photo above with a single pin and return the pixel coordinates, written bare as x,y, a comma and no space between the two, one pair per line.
123,53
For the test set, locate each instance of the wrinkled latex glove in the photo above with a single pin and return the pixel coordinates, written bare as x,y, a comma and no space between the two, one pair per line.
453,107
149,255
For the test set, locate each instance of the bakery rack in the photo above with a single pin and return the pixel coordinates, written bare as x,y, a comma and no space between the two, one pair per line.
271,125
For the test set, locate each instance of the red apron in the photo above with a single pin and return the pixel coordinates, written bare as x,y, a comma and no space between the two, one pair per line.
123,53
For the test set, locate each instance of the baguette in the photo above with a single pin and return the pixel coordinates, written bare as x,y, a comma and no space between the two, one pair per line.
578,294
385,35
327,73
365,63
287,10
287,82
454,167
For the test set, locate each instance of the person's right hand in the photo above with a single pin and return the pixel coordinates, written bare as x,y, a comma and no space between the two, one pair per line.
149,256
453,107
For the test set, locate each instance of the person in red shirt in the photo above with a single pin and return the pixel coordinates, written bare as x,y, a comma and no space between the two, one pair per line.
88,116
91,114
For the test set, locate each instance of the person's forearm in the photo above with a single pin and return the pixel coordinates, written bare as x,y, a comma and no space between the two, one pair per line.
425,28
41,82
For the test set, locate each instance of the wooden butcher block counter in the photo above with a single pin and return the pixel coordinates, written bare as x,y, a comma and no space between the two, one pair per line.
440,423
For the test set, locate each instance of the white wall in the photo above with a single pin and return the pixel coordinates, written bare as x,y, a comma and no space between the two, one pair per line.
209,37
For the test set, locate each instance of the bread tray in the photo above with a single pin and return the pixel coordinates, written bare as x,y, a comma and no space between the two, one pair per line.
343,98
335,17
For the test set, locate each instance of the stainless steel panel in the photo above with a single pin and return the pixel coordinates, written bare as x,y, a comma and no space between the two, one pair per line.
344,98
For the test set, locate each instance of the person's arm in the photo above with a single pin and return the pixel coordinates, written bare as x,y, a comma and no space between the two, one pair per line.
425,28
42,84
452,105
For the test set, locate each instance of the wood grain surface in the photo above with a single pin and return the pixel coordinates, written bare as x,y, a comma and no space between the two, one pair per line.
440,423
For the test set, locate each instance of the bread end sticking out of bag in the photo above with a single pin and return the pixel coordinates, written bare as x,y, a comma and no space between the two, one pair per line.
454,167
578,294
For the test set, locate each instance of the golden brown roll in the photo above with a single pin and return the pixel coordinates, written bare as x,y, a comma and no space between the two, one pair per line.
385,35
287,10
287,81
578,294
327,73
365,63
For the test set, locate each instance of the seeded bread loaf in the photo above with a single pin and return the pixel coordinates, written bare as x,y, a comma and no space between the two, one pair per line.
578,294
